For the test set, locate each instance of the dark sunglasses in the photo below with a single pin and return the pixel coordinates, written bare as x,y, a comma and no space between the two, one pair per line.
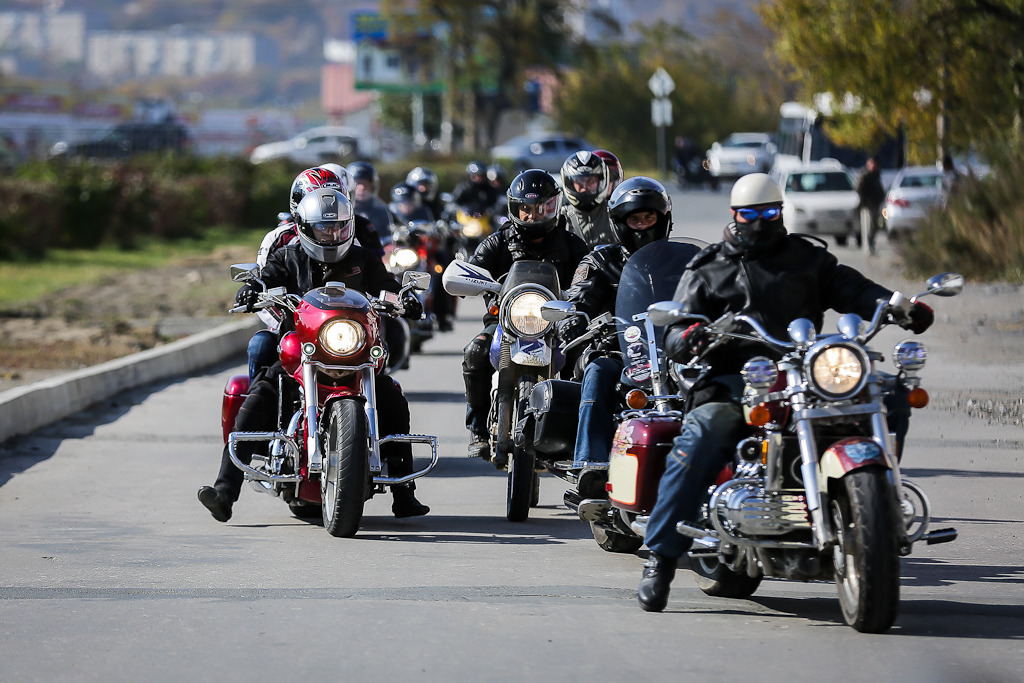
769,213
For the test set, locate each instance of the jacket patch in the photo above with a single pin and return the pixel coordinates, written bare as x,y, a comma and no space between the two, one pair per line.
581,273
355,271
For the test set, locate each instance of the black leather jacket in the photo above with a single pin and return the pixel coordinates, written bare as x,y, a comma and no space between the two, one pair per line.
290,267
793,279
593,227
596,281
501,249
475,197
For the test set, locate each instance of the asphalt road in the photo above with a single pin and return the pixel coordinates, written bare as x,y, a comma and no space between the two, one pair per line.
110,570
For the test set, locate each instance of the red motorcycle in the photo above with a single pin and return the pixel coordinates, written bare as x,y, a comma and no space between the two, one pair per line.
326,449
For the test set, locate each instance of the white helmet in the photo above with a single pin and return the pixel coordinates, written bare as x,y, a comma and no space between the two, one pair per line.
755,189
326,224
346,181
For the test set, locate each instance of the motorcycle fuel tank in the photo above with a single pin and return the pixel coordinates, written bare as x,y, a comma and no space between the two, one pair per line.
638,461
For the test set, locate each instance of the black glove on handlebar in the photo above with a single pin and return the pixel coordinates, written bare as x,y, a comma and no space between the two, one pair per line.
413,307
919,318
246,296
570,328
695,338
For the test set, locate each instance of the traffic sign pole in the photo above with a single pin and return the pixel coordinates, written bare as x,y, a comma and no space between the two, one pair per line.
661,85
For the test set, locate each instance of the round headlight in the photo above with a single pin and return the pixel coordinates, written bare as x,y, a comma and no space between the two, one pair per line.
760,372
524,314
909,355
473,228
342,337
404,258
837,370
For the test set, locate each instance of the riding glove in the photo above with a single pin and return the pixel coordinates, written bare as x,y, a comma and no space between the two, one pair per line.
570,328
695,338
413,307
919,318
246,296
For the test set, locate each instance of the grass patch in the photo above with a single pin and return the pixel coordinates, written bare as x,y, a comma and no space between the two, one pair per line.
23,282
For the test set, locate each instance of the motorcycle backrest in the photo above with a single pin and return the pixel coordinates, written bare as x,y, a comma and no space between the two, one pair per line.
465,279
243,272
419,281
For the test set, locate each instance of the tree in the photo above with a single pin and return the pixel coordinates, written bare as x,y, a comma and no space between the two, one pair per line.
948,72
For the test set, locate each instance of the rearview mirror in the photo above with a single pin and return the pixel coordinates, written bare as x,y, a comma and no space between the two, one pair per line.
419,281
553,311
946,284
244,272
664,313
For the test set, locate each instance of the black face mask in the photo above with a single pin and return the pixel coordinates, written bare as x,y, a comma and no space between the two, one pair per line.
755,237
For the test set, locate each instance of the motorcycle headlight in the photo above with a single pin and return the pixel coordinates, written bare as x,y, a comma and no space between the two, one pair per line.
342,337
837,371
403,258
909,355
473,229
524,314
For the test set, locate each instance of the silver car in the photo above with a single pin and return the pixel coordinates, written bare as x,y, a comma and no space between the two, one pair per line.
740,154
314,146
914,191
546,151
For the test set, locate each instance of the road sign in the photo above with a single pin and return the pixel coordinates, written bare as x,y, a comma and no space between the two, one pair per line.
661,84
661,112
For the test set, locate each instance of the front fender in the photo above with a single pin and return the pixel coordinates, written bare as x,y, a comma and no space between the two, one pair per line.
851,454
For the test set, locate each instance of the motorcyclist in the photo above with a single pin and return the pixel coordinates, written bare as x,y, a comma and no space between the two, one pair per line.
498,179
640,211
426,183
585,183
534,231
407,205
262,349
614,168
760,271
324,252
475,195
365,185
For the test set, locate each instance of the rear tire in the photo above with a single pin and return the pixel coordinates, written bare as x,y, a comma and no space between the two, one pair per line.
717,580
866,556
521,466
615,542
344,480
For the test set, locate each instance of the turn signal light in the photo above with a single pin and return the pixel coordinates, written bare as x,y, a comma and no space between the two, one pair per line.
493,310
438,269
636,399
759,415
918,398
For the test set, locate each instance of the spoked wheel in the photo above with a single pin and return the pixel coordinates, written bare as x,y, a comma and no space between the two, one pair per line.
614,542
866,555
521,470
716,579
345,475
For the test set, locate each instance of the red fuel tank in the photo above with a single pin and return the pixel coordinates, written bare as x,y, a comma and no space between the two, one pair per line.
235,392
638,461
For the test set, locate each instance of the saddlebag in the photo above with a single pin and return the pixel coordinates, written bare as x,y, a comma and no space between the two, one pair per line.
555,406
235,393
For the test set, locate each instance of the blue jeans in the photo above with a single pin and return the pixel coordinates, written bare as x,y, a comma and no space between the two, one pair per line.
597,412
262,352
706,445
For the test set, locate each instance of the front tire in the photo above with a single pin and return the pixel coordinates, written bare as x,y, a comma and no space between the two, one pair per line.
866,555
614,542
717,580
521,466
345,476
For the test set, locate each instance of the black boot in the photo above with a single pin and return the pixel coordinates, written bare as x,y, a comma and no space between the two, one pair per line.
655,582
591,484
480,446
405,503
217,502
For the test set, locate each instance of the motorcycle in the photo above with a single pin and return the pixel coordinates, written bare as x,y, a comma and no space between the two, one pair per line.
326,448
650,275
473,228
816,492
414,249
524,352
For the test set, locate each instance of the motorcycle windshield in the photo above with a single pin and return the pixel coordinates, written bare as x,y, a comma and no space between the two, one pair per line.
650,275
532,272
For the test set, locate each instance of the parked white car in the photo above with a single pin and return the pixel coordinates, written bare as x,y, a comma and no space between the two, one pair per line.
914,191
740,154
820,198
314,146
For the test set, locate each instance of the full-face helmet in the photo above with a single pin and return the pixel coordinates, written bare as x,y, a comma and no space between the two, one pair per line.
641,212
309,180
496,176
584,180
326,225
425,182
364,170
533,199
614,168
339,170
477,171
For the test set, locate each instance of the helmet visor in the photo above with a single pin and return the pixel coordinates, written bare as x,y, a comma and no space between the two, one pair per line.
535,211
586,183
331,233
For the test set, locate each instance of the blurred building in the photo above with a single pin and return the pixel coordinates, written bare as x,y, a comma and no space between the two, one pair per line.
121,55
596,20
29,41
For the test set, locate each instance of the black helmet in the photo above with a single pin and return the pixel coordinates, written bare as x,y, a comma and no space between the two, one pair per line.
589,171
364,170
476,168
425,182
535,192
496,175
640,194
404,192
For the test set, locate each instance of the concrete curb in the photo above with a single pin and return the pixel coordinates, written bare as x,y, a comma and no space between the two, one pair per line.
24,409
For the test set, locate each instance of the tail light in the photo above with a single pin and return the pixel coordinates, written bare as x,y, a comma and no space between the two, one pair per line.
902,203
